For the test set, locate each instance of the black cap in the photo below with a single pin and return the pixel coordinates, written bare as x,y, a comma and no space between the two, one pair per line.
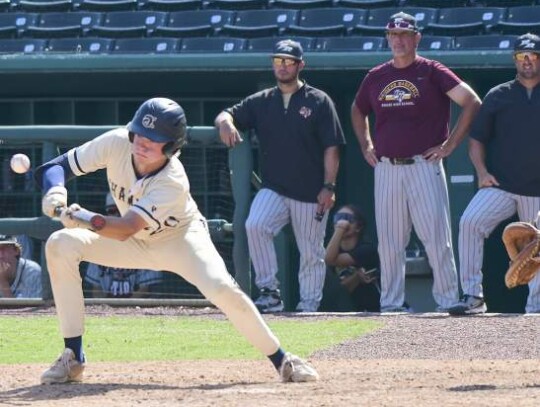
402,22
288,49
527,43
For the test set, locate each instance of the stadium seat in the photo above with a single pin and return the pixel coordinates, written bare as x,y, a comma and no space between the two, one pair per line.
217,45
437,3
235,5
119,24
435,43
472,42
171,5
366,4
36,6
5,5
502,3
350,44
423,15
375,24
108,5
300,4
80,45
14,24
22,46
267,44
519,20
465,21
192,23
325,22
54,25
260,23
145,45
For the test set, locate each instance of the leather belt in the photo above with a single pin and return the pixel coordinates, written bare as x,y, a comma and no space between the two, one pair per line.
402,161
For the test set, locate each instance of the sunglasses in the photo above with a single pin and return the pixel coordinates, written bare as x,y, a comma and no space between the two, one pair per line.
284,61
400,24
520,56
344,216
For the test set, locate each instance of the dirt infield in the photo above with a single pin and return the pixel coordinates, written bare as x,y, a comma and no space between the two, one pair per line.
414,360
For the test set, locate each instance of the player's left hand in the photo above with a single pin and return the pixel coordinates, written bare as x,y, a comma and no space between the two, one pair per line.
326,200
67,219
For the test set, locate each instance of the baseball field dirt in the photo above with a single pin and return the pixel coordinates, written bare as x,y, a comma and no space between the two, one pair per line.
414,360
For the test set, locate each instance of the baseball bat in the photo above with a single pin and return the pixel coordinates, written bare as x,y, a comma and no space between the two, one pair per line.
84,217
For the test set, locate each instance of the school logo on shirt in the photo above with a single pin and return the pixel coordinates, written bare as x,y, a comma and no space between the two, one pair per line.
305,112
399,93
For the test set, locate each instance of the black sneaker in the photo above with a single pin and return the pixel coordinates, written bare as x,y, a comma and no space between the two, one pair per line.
469,305
269,301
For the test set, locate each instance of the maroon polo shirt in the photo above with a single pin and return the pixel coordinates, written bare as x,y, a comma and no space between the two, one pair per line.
412,110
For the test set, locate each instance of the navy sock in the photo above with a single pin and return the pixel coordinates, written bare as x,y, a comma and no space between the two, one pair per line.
75,344
277,358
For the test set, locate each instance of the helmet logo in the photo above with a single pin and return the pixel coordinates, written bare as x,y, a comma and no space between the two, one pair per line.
149,121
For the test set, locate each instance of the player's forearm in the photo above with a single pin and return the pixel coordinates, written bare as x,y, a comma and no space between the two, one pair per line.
477,154
470,103
122,228
331,164
332,250
361,128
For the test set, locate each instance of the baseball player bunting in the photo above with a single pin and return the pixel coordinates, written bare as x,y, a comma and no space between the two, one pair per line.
160,228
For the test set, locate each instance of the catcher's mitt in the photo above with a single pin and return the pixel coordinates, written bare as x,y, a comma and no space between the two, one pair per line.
522,242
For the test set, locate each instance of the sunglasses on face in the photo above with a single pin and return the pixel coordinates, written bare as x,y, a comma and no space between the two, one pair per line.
520,56
283,61
400,24
344,216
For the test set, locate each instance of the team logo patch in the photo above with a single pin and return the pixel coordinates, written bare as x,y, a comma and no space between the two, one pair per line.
305,112
149,121
526,43
399,93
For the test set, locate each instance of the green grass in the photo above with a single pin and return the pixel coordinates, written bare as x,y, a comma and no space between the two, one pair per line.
37,339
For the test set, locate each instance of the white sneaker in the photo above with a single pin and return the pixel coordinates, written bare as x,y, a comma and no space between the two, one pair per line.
294,369
469,305
65,369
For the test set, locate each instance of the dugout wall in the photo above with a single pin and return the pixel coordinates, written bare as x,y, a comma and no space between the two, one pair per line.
105,90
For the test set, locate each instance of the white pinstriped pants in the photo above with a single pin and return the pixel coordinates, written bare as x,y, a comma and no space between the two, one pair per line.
269,213
407,195
488,208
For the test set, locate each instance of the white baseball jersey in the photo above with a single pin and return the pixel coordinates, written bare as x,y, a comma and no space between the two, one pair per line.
175,240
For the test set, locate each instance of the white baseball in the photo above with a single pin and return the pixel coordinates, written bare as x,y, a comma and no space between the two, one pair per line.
20,163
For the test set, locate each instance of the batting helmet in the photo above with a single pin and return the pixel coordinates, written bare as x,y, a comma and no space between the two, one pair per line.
161,120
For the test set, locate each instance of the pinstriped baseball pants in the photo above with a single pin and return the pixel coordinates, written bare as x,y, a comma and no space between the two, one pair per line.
269,213
488,208
407,195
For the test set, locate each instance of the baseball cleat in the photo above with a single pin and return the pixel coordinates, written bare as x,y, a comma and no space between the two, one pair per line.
65,369
294,369
269,301
469,305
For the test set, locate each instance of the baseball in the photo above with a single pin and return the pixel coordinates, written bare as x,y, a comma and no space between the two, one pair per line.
20,163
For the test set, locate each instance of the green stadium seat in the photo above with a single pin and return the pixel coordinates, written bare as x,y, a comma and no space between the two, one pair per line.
300,4
37,6
212,45
80,45
436,43
145,46
171,5
119,24
266,45
14,24
494,42
465,20
54,25
350,44
519,20
260,23
235,4
108,5
22,46
326,22
366,4
191,23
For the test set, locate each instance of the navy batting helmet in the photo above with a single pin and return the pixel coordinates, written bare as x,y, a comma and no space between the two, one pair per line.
161,120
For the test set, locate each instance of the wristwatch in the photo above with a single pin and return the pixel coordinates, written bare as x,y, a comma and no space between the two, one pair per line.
331,186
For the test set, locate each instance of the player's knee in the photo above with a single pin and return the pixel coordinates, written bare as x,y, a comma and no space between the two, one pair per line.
228,295
59,244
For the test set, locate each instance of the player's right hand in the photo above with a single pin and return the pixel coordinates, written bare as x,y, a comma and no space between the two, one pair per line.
229,134
54,198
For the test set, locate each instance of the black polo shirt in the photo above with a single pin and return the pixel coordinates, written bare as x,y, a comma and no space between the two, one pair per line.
292,141
508,124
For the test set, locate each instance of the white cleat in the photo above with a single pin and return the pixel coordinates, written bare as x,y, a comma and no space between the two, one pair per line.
294,369
65,369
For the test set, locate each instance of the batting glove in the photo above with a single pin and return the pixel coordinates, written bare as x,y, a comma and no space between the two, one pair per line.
54,198
68,219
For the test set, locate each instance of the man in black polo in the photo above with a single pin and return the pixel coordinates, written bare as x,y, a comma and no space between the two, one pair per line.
503,147
299,135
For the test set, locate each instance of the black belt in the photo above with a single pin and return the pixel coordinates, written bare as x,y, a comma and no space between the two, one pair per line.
402,161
